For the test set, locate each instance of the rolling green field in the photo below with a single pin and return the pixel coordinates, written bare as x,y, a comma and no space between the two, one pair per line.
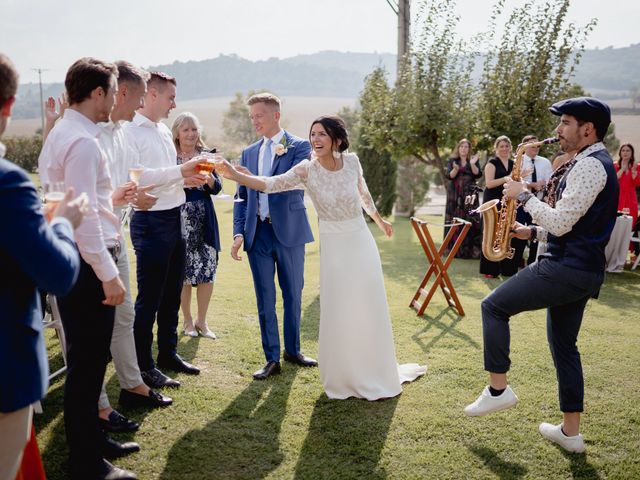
224,425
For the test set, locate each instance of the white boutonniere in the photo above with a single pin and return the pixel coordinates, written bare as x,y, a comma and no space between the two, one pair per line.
283,147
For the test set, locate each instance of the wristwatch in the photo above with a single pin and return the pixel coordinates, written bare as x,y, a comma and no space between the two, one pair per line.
524,196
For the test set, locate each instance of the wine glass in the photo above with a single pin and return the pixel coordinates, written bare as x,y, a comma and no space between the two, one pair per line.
135,171
53,195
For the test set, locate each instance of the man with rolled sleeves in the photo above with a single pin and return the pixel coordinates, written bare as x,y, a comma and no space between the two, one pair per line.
566,276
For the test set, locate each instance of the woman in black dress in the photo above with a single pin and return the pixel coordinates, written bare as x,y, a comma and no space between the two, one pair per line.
201,229
462,170
496,171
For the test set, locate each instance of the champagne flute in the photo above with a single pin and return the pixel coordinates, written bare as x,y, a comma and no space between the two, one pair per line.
53,195
236,198
135,171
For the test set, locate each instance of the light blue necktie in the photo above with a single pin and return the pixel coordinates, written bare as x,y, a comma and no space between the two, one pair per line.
263,198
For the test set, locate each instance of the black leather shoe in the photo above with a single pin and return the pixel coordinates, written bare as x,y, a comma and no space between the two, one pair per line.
177,364
300,359
133,400
113,449
154,378
271,368
118,423
111,472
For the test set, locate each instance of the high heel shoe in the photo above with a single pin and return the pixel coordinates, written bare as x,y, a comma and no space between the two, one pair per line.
190,330
205,332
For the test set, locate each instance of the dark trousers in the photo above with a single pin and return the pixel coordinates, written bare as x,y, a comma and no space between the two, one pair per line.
88,325
159,245
268,254
564,292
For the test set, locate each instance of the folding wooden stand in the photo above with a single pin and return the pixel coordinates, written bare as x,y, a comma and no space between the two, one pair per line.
437,266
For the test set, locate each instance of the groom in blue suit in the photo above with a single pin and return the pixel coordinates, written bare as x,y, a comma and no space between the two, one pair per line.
274,229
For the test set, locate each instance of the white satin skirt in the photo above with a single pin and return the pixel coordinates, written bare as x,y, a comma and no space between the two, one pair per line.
357,356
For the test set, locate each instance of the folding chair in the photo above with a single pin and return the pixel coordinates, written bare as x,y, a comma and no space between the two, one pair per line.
436,265
52,320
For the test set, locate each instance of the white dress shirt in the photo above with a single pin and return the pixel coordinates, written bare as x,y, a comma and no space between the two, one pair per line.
543,170
72,154
113,140
153,148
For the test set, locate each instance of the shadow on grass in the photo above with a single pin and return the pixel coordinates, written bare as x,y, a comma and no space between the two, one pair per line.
501,468
444,328
309,325
580,467
345,439
242,442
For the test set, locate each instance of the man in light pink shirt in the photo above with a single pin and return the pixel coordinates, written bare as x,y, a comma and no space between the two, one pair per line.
72,154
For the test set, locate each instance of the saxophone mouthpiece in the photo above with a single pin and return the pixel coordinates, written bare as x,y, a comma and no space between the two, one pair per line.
550,140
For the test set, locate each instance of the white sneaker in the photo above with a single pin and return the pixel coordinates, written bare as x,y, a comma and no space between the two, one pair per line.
486,403
554,434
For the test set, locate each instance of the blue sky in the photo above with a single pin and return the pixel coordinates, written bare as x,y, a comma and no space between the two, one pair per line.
52,34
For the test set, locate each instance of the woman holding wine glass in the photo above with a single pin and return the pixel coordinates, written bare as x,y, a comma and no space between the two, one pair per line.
201,228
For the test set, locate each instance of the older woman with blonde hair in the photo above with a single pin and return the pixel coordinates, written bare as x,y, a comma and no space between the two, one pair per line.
201,228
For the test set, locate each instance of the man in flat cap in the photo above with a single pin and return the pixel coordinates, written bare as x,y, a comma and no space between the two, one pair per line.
576,229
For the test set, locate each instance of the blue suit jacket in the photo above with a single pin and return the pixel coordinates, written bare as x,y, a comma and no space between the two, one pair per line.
287,210
32,255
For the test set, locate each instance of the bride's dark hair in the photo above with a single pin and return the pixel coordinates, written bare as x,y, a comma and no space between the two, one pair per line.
335,128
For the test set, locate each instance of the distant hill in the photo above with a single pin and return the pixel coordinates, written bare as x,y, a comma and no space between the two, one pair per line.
609,72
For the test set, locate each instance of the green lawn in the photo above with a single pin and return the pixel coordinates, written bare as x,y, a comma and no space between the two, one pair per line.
225,425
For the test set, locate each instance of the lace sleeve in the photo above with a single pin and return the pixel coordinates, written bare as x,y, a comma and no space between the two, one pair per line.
365,197
293,179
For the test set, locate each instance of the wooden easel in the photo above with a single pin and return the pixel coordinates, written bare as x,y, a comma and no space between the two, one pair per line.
436,265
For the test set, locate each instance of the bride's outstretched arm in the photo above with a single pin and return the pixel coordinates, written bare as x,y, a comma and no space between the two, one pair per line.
293,179
241,175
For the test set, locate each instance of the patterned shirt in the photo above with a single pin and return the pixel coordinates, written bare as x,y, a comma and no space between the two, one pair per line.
585,179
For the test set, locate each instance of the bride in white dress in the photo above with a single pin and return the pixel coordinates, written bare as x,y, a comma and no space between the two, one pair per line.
357,355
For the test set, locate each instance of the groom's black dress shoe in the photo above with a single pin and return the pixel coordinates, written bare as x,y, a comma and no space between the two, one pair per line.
177,364
271,368
154,378
112,449
300,359
132,400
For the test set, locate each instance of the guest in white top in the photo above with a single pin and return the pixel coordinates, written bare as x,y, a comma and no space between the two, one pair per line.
132,86
156,234
72,154
540,170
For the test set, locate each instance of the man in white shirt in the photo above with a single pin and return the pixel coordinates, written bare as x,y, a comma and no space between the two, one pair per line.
132,86
157,236
541,169
72,154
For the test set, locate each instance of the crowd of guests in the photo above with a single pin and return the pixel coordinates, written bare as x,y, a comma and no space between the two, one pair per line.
463,195
107,140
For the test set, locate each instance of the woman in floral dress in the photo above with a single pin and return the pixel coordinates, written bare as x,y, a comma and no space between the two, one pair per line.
201,229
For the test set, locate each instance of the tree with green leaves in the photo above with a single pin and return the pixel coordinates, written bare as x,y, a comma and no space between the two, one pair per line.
377,163
530,69
236,124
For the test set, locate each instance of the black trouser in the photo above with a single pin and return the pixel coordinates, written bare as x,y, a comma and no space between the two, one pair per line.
159,245
88,325
564,292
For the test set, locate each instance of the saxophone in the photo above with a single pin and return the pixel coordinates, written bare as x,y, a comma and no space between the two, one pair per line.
497,224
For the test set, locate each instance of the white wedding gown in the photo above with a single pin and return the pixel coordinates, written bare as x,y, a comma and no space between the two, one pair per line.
357,355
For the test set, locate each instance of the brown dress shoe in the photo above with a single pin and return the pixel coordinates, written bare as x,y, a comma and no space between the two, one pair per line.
271,368
300,359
